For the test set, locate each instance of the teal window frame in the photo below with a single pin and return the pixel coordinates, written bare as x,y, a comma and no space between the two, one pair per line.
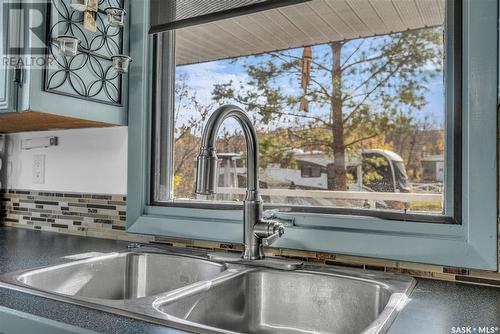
472,244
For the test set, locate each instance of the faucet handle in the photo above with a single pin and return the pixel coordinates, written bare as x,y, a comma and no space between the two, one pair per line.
271,239
269,231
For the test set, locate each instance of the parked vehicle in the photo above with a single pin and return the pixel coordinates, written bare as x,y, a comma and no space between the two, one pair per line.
372,170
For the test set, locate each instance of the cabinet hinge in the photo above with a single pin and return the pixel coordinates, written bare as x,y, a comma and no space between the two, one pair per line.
19,76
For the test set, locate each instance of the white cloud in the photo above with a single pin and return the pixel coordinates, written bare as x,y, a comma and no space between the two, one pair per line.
202,78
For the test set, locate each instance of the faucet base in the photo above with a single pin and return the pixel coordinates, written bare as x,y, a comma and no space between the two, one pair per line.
253,252
268,262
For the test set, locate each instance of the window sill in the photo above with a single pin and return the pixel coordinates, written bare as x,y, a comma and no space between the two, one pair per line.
437,244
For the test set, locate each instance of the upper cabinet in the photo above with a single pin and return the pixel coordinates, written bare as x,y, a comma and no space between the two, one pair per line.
68,66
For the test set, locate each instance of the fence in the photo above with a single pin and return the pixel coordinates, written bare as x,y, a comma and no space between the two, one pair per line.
341,195
436,188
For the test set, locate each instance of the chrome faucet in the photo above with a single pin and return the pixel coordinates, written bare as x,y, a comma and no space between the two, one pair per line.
256,231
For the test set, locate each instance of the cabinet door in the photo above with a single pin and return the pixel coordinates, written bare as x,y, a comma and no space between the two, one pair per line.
81,86
8,88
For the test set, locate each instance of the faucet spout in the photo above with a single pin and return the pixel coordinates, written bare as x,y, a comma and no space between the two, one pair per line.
207,159
256,230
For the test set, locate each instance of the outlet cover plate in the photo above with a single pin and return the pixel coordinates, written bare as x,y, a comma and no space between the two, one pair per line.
39,169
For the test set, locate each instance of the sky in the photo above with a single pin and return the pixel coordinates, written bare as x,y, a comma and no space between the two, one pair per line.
202,77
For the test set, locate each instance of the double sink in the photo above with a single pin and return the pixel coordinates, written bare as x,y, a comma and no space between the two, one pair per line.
185,290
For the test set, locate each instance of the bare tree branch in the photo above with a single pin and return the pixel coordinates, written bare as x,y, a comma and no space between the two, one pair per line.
315,118
360,140
378,85
364,60
282,55
353,53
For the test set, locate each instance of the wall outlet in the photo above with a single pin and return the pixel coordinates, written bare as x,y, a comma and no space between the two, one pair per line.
39,169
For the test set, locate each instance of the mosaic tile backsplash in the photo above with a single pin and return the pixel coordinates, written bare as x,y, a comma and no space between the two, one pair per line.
92,215
104,216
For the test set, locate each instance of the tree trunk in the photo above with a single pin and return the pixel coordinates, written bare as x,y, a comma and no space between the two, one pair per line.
338,145
413,144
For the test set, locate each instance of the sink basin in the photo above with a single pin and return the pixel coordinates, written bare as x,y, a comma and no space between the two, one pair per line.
185,290
121,275
270,301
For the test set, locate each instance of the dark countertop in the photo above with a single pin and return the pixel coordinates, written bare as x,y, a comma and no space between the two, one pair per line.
25,249
434,307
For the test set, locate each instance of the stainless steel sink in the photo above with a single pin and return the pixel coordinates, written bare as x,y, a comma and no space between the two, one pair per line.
269,301
184,290
122,275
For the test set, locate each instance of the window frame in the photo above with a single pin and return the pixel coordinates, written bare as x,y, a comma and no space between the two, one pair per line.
472,244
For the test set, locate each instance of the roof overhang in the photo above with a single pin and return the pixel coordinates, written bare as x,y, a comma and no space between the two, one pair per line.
311,23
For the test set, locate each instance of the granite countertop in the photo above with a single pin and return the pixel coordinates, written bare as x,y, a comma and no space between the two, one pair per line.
434,307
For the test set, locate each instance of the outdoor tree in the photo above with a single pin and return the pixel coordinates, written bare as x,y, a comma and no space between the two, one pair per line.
411,136
187,137
336,96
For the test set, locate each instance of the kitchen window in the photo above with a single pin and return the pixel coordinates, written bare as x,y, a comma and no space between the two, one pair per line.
414,176
330,88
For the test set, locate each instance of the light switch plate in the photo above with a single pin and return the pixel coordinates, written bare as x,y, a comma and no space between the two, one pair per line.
39,169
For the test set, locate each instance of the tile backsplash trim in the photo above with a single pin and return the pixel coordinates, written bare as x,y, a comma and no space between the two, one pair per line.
104,216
